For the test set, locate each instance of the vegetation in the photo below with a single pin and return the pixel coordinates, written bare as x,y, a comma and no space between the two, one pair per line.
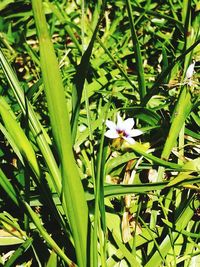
99,127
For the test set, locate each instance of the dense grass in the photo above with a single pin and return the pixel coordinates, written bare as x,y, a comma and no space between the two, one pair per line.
70,195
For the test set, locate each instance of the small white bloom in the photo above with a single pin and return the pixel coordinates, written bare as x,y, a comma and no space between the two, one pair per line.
123,129
190,70
152,175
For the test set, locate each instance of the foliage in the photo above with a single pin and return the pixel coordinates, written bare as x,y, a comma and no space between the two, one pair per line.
70,195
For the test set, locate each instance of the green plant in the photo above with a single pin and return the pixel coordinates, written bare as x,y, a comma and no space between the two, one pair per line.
70,195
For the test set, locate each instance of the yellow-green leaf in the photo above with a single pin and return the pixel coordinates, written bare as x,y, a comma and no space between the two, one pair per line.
18,135
191,166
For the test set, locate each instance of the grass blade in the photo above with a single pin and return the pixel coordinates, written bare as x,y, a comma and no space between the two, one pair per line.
181,112
182,222
80,77
73,194
8,188
18,252
19,136
45,235
34,124
138,55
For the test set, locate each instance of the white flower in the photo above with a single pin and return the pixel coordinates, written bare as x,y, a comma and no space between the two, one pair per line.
190,70
123,129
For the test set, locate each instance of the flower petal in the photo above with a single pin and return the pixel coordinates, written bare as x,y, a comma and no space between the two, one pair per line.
134,133
111,134
130,140
120,122
111,124
190,71
128,124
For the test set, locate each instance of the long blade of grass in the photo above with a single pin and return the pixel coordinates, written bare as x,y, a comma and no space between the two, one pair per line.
181,112
19,136
8,188
123,73
127,254
35,126
36,220
64,19
73,194
80,77
182,222
26,150
138,55
120,190
99,199
140,150
18,252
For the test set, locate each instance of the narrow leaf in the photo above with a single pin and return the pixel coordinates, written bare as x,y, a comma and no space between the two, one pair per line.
19,136
74,202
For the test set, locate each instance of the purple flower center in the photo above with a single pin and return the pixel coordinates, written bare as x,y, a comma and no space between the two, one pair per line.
122,132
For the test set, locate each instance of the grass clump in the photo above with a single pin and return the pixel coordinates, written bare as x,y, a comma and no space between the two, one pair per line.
99,120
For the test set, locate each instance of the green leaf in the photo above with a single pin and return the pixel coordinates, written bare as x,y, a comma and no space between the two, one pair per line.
18,252
140,149
192,166
18,135
36,220
138,55
74,201
52,261
11,234
127,254
182,221
5,3
116,162
6,239
8,188
34,124
145,114
80,77
181,112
